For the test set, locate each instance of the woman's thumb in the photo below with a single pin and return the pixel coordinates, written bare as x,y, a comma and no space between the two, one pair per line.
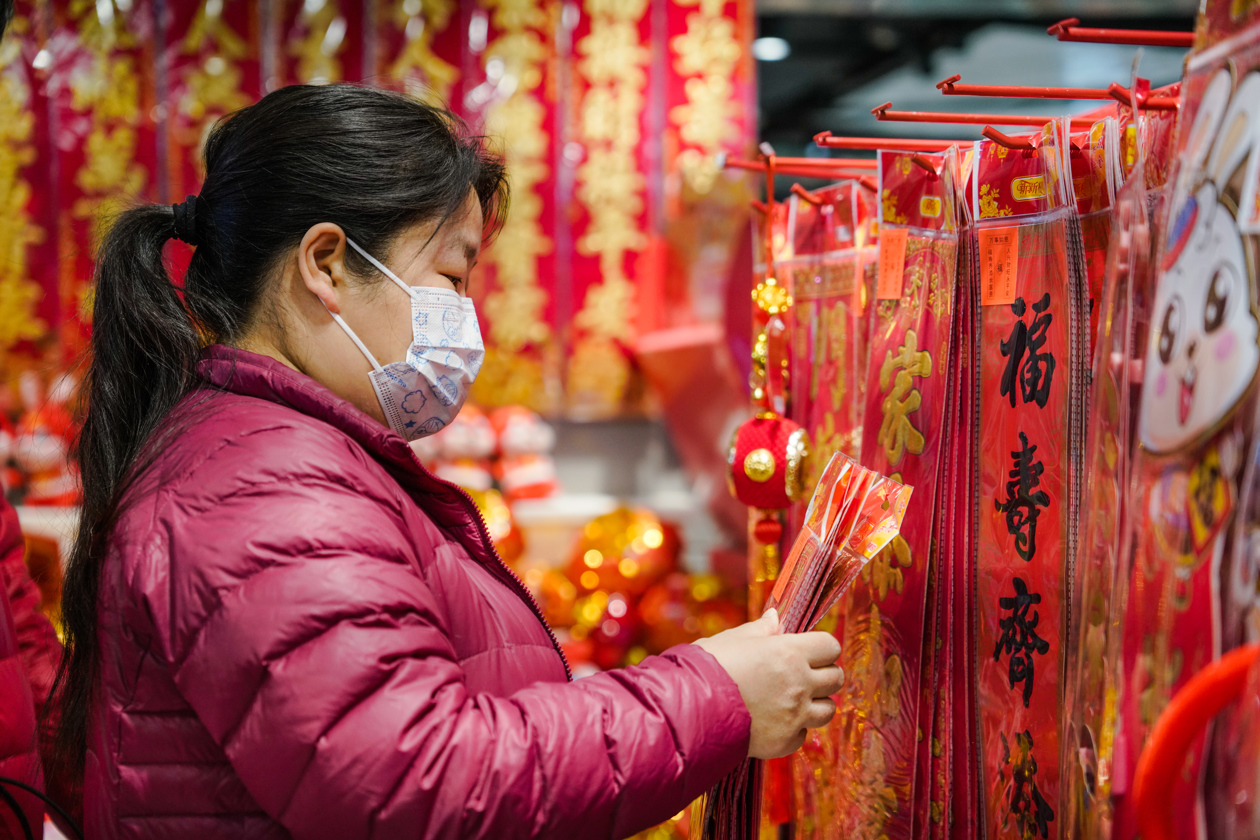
769,621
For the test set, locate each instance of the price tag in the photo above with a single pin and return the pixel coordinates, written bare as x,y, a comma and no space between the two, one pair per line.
892,263
999,250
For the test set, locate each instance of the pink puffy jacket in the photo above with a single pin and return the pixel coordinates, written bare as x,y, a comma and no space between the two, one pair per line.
305,634
19,748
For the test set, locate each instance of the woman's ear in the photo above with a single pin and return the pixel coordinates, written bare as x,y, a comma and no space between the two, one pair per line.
321,262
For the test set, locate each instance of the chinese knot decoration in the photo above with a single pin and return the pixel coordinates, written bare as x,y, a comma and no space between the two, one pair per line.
768,454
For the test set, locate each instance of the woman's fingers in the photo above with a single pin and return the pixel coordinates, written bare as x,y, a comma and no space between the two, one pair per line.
820,713
827,681
820,648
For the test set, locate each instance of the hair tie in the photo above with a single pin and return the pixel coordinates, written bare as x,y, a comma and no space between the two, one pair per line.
186,220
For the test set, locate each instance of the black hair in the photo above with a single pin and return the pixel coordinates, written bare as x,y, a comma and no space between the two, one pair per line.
370,161
6,15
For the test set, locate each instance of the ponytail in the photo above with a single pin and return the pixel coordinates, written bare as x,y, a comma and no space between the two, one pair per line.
144,348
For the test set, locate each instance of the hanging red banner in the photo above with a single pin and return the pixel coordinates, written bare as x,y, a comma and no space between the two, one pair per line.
1028,363
416,47
213,63
213,67
103,106
28,218
513,97
882,616
319,41
612,55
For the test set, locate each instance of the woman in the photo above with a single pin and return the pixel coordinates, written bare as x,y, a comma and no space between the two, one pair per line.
279,624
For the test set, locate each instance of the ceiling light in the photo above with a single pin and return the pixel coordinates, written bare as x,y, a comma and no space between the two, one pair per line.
771,49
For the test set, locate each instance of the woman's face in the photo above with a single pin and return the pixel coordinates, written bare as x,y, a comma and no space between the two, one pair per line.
304,335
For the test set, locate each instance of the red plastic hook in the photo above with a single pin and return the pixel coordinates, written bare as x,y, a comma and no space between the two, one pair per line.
882,113
1022,144
950,87
925,164
1146,102
1182,721
806,195
1070,29
829,141
783,164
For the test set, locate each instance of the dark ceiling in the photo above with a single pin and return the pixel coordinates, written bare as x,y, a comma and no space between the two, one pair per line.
843,56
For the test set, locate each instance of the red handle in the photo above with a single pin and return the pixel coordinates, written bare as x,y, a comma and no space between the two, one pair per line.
830,141
1184,719
1070,30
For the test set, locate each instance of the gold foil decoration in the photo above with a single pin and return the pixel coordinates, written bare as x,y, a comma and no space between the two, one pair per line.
18,231
610,187
214,84
884,573
797,461
107,89
427,76
871,703
516,302
897,433
706,55
323,38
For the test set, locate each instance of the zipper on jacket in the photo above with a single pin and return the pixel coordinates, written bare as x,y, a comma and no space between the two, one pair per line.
521,589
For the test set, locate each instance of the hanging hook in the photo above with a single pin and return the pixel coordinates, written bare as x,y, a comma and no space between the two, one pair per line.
1022,144
1069,29
829,141
1146,102
950,87
805,166
806,195
882,113
925,164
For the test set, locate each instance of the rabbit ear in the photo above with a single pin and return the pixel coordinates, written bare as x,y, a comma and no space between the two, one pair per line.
1237,134
1199,143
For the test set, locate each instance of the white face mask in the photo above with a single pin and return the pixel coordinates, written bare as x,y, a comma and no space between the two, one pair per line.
423,394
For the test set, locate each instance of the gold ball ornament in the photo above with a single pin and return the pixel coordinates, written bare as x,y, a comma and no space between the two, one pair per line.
772,298
759,465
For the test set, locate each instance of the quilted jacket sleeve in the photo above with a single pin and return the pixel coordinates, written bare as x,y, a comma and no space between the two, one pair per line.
38,645
318,660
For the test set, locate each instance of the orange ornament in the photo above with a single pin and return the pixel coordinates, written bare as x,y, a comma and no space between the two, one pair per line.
623,551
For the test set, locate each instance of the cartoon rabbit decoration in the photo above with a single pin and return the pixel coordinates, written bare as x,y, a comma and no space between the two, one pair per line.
1194,426
1203,355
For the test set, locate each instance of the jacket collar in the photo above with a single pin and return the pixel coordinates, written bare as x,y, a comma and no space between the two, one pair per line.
253,375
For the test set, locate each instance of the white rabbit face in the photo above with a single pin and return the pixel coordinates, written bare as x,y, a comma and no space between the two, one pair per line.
1202,353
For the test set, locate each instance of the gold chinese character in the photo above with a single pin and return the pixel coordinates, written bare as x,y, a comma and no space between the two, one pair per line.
896,432
884,573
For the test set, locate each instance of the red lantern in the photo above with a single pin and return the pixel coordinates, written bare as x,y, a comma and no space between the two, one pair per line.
766,462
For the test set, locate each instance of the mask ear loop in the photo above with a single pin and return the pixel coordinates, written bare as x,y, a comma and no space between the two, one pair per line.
346,327
380,266
362,347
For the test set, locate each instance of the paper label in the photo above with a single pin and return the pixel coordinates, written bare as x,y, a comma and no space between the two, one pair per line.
999,249
930,206
892,263
1026,189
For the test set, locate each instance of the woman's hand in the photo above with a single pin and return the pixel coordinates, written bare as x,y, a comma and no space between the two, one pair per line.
786,680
